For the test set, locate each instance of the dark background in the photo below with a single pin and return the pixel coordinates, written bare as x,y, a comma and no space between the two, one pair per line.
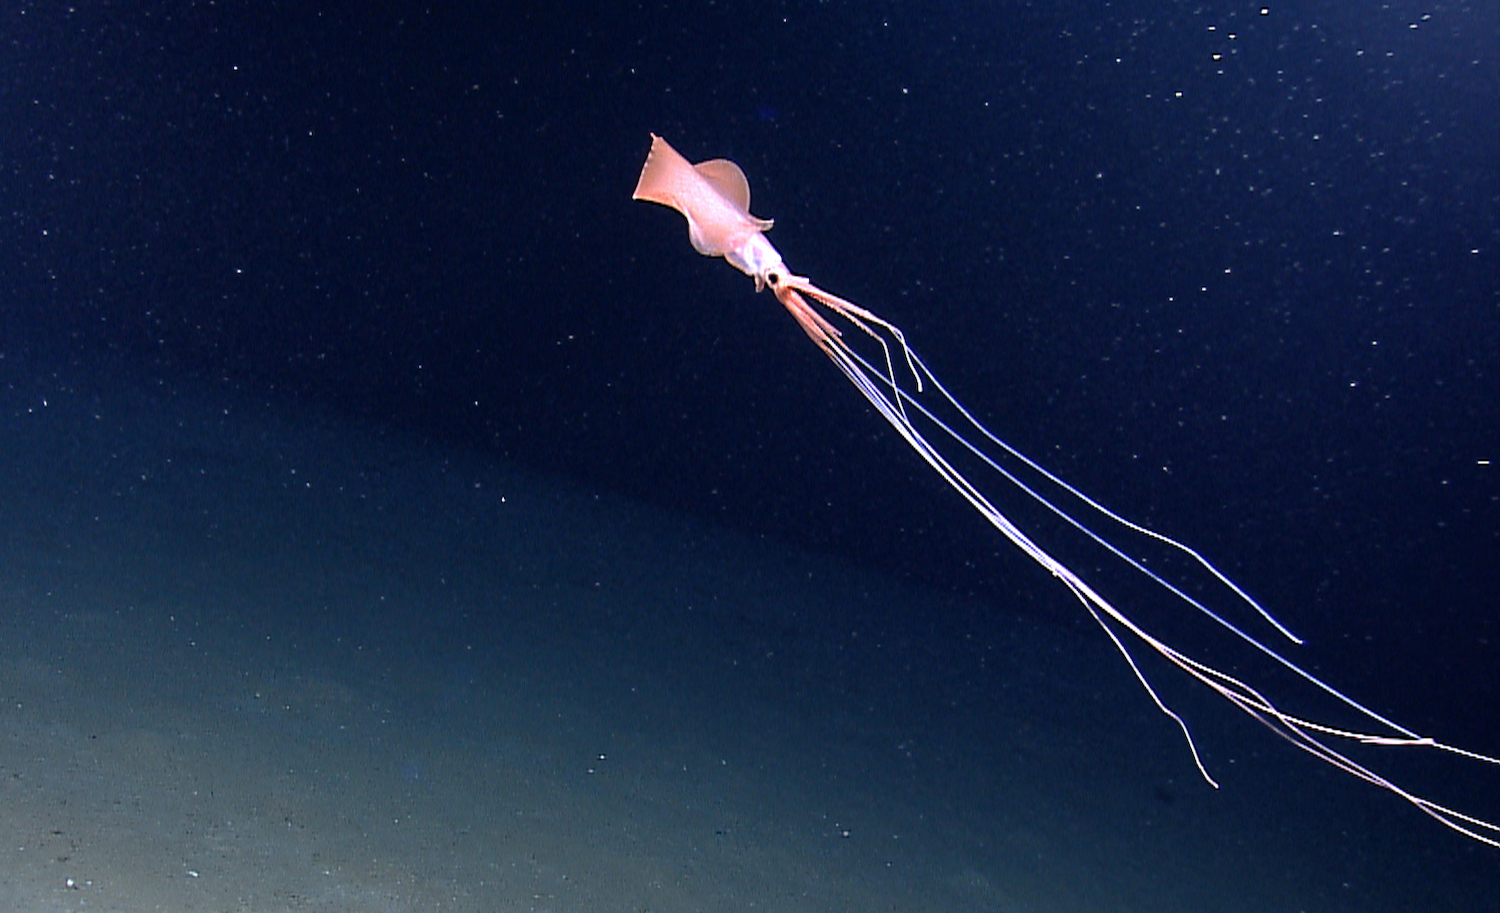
1234,270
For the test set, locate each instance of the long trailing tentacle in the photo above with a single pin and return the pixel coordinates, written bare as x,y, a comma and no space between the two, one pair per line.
883,388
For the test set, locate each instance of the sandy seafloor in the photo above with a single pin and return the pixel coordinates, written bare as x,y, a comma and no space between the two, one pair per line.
255,659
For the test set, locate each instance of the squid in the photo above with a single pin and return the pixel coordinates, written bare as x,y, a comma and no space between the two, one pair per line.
714,197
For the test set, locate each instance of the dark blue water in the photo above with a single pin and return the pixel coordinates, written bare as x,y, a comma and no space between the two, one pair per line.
1233,269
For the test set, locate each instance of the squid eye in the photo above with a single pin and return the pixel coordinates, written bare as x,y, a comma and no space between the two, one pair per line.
773,278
